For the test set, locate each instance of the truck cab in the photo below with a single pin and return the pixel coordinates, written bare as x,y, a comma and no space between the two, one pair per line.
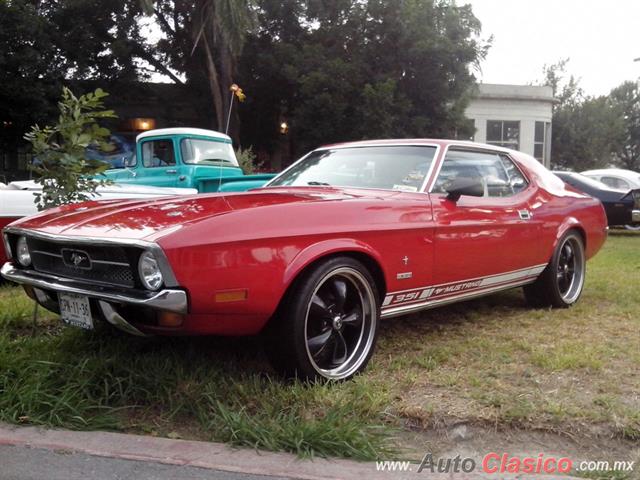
185,158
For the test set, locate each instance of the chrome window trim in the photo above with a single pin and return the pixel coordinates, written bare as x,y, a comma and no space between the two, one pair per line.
165,267
480,148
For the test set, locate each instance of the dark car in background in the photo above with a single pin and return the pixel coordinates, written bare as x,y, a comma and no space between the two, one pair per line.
622,207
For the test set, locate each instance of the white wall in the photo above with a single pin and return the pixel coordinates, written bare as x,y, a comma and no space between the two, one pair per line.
526,104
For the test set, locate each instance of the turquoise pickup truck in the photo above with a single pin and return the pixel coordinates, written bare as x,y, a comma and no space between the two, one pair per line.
183,157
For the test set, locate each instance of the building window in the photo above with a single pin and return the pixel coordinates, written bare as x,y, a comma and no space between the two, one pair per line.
540,142
503,133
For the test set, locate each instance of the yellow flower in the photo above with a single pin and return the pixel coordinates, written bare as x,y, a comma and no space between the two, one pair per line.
238,92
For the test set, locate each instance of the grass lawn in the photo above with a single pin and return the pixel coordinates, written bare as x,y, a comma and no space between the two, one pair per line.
490,363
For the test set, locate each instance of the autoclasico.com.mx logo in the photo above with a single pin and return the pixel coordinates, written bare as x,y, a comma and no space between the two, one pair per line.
500,463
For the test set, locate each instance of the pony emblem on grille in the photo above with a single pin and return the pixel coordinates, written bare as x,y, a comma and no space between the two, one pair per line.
76,259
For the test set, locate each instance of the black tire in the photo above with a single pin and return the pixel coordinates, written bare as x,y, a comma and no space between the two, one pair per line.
560,284
327,325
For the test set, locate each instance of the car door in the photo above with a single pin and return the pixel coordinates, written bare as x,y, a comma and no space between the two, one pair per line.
487,241
157,163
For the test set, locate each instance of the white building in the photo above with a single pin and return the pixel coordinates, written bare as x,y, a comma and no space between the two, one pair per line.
514,116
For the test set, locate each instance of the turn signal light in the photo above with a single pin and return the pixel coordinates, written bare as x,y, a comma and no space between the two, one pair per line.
170,319
231,296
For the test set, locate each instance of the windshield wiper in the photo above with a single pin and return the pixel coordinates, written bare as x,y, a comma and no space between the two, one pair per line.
319,183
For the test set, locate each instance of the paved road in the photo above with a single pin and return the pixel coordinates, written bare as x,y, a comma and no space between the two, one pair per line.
32,453
23,463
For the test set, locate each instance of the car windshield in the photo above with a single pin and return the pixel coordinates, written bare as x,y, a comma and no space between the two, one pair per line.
387,167
207,152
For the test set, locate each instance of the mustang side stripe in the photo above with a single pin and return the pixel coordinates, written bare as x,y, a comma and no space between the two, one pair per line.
417,295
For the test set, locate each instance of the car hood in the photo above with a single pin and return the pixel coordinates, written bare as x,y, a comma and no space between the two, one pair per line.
152,219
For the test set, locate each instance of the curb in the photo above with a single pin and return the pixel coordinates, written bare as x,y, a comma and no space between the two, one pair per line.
213,456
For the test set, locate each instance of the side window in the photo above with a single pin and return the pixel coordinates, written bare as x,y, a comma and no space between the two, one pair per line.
517,180
498,174
158,153
614,182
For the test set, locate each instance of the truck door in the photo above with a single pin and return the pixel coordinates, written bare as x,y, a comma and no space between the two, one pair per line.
157,163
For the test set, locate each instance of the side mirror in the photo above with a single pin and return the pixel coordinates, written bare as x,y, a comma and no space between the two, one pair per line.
130,161
472,187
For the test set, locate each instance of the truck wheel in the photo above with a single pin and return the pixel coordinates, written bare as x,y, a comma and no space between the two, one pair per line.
560,284
327,326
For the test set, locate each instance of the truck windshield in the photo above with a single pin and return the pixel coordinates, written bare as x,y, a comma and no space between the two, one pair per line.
207,152
394,167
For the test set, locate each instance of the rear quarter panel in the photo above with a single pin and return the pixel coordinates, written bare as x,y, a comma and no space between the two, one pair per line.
562,209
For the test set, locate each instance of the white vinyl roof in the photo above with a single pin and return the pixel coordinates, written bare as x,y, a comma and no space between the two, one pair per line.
183,131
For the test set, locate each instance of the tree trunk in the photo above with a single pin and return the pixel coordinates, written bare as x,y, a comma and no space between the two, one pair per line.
226,80
214,86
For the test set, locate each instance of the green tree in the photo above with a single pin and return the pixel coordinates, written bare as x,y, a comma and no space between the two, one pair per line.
202,36
45,44
349,69
586,134
586,130
566,91
63,170
625,99
333,69
29,67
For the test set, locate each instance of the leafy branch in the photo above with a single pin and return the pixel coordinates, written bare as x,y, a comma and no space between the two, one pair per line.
60,164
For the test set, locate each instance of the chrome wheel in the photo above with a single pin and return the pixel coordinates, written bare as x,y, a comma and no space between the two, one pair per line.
340,323
570,269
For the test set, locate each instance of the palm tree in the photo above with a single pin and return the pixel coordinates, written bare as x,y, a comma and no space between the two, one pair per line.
218,29
221,26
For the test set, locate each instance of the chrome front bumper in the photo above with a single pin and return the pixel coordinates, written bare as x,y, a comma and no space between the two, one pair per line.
171,300
635,216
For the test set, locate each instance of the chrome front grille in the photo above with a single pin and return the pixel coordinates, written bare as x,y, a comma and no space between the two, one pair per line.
110,265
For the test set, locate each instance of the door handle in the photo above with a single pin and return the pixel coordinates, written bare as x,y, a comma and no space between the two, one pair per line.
525,214
171,172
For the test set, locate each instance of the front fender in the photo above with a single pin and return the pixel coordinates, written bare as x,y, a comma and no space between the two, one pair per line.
325,248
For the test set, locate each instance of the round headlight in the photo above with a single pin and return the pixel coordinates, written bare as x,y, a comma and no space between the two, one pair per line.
22,252
149,271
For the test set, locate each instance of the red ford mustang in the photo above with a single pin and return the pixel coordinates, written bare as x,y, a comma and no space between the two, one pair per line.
348,235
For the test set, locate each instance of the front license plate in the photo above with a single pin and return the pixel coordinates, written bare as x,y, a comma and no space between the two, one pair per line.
75,310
